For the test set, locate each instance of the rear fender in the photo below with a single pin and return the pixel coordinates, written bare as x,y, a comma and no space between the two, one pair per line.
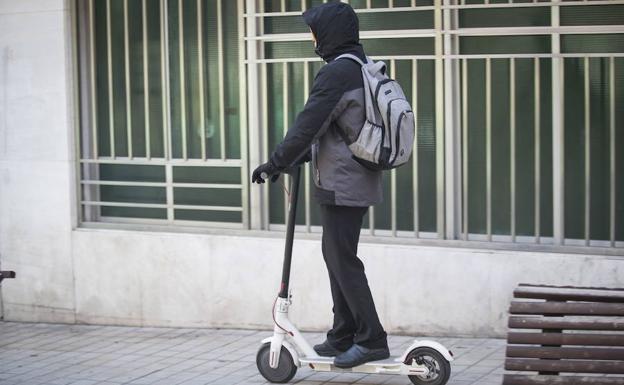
429,344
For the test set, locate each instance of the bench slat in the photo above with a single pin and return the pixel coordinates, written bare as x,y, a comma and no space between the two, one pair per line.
563,353
518,379
566,339
568,366
517,322
562,308
569,294
573,287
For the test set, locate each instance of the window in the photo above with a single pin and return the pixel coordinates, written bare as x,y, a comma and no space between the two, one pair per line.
161,138
520,123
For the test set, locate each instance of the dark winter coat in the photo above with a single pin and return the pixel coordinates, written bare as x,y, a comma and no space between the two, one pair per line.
333,113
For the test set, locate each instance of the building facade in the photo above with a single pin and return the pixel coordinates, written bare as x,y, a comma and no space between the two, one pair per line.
129,129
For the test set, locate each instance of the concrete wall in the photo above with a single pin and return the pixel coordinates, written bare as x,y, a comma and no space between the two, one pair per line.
36,160
152,278
158,278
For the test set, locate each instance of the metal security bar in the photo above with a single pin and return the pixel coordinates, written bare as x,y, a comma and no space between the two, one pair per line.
511,126
152,181
586,186
589,127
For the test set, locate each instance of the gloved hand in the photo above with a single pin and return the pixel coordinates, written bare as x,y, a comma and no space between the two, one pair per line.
267,168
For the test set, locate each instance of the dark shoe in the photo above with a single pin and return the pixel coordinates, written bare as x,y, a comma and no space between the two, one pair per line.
358,355
326,350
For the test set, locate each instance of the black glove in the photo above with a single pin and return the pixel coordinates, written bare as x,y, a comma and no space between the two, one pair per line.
269,169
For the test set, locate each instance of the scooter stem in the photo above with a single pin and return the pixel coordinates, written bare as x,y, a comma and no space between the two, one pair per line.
290,232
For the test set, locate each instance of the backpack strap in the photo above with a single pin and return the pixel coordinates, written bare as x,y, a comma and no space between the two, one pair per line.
373,67
352,57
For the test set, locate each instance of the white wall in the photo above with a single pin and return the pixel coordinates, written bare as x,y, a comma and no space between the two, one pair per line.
176,279
151,278
36,160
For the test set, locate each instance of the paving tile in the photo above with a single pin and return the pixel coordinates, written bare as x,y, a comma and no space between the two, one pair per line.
55,354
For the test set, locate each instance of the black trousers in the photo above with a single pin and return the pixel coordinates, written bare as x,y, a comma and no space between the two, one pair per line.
355,317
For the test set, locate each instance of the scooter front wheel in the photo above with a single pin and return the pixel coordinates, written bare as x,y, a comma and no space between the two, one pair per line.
286,367
439,367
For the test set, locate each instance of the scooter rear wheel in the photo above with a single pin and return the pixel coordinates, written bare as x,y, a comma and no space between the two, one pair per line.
286,367
439,367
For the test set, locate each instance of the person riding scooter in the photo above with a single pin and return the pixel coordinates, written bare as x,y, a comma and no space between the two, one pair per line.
344,188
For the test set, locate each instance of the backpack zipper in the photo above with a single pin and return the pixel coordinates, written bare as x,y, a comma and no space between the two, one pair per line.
317,173
398,139
389,113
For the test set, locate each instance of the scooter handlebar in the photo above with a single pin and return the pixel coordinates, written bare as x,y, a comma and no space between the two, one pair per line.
289,171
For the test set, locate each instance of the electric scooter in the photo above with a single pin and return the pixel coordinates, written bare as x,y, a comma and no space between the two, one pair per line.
424,362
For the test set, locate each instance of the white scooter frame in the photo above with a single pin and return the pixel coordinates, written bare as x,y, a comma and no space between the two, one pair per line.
424,361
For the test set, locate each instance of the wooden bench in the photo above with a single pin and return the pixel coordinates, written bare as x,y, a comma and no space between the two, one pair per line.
565,335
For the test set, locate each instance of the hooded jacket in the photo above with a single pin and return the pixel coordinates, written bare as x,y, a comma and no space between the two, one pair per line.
333,114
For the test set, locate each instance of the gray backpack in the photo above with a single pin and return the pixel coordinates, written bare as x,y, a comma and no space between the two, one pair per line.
387,137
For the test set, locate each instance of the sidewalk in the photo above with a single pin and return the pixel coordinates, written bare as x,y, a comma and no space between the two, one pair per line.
36,353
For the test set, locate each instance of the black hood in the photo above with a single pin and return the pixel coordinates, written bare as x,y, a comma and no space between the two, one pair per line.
336,28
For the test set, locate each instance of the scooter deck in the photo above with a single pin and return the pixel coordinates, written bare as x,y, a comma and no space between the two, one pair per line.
330,361
391,365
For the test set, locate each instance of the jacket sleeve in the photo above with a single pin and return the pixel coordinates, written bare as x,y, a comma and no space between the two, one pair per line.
320,110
